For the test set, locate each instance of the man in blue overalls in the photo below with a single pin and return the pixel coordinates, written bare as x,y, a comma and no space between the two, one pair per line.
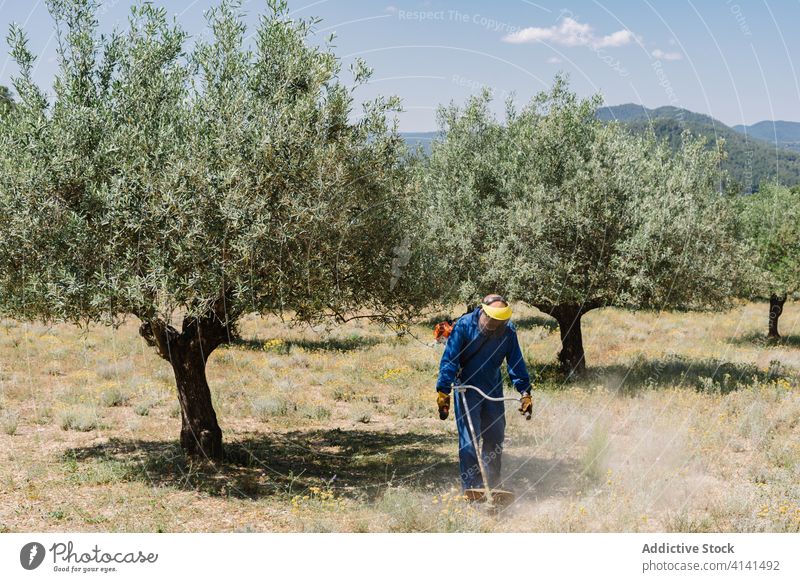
475,350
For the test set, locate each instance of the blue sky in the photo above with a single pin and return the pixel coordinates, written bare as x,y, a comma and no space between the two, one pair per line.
729,59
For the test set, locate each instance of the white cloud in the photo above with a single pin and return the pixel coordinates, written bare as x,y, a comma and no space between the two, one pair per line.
391,9
619,38
553,60
667,56
570,32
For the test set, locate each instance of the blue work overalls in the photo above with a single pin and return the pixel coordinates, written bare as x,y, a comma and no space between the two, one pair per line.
484,358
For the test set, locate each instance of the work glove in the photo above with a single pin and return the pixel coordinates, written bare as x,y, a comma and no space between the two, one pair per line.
526,406
443,402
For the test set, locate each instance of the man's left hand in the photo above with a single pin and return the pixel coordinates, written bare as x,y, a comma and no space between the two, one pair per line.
526,406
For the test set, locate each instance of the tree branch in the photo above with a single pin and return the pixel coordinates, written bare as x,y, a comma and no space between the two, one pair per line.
159,335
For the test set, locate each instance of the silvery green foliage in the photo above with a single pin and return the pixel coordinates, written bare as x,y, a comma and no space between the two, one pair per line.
553,207
172,175
772,219
6,100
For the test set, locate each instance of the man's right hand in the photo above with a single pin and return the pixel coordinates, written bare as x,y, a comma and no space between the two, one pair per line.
443,402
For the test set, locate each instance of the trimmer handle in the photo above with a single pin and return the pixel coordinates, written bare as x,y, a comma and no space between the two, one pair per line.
463,388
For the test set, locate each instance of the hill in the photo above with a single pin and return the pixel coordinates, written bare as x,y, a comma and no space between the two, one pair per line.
785,134
750,160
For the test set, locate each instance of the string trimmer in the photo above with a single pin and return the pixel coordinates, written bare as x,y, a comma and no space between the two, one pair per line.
497,497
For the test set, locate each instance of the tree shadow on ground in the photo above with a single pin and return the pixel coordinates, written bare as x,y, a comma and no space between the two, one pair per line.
761,340
347,344
703,375
356,463
359,464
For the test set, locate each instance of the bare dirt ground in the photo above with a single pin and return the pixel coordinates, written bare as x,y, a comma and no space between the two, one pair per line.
685,422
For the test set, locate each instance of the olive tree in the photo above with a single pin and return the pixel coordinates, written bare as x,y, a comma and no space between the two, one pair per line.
6,100
569,214
188,184
772,221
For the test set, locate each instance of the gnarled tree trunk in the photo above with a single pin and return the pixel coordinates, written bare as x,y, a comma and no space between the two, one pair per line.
188,351
775,310
571,358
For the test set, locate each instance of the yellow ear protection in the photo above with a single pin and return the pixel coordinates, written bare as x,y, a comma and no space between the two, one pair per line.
501,313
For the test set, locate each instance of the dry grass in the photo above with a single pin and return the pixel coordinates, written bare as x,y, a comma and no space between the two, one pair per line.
685,422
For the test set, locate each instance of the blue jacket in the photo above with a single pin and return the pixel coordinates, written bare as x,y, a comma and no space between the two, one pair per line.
483,368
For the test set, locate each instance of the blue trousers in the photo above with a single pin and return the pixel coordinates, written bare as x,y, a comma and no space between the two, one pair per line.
489,422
